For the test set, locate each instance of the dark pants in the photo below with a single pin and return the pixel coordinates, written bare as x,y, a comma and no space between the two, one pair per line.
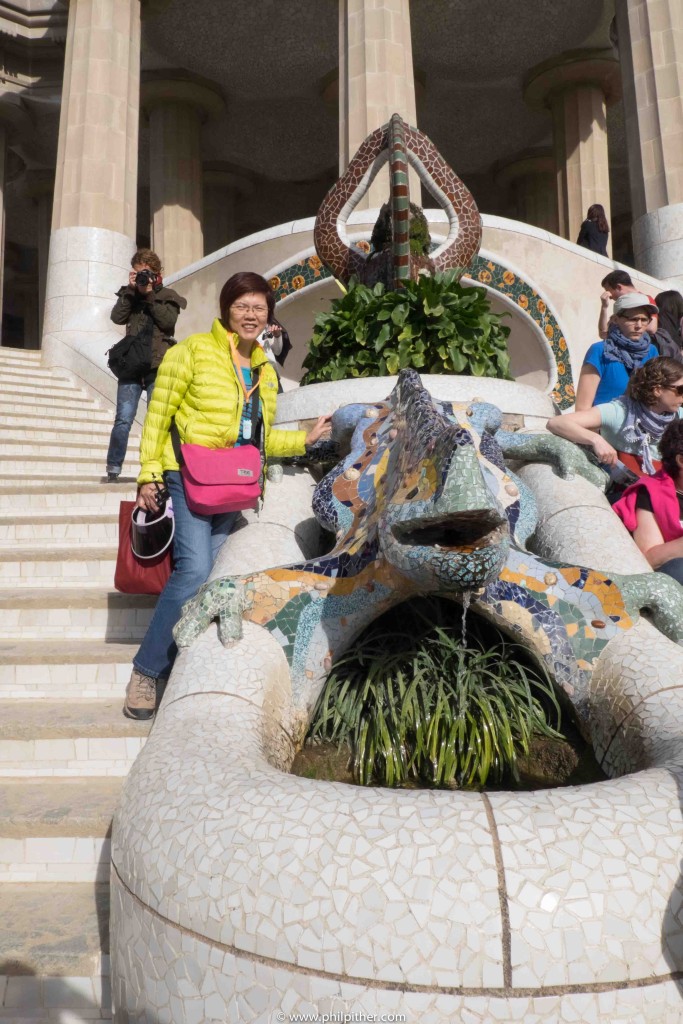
127,399
674,569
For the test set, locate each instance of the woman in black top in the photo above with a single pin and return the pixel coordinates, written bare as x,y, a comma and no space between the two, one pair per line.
594,230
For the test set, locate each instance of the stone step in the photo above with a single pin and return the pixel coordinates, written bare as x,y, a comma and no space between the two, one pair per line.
16,372
56,830
53,931
72,614
61,565
54,448
78,738
72,465
78,494
65,669
62,391
56,1001
28,356
67,524
63,434
25,414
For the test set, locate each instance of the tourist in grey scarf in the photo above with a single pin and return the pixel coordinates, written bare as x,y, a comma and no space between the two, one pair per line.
629,428
620,349
608,364
643,427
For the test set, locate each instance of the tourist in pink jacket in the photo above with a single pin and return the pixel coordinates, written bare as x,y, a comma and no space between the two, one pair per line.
652,508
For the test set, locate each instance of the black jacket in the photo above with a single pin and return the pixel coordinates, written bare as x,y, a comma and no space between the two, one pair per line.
162,306
590,237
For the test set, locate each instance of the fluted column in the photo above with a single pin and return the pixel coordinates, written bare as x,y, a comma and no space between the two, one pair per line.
177,106
650,36
376,79
15,124
3,160
576,87
531,178
40,187
94,208
224,186
97,171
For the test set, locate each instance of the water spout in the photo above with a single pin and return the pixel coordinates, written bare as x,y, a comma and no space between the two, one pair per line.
466,598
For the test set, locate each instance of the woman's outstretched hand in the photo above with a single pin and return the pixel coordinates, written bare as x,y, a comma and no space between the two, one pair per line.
604,451
147,497
322,429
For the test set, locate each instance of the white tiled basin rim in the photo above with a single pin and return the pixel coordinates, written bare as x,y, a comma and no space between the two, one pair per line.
241,892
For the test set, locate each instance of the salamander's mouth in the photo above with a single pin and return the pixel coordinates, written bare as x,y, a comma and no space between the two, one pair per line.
462,530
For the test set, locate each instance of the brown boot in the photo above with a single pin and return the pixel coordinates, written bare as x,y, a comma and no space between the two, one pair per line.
141,697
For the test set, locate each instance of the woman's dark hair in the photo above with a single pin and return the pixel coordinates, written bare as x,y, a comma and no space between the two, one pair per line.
241,284
596,212
670,306
662,372
671,445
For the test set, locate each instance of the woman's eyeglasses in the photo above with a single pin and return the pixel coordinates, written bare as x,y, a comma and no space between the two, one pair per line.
241,308
678,388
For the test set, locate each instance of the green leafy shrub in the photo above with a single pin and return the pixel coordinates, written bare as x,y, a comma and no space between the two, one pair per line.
416,704
434,324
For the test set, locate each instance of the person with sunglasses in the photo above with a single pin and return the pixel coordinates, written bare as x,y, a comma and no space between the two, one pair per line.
624,434
608,364
652,508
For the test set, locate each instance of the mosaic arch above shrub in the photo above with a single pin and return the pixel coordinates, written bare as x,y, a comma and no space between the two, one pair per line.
310,270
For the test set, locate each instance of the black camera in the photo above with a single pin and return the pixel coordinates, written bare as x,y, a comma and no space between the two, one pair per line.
145,277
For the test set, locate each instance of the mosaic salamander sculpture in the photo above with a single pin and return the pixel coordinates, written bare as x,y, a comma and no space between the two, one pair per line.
424,503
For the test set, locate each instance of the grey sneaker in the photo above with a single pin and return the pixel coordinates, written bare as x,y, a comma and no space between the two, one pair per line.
141,697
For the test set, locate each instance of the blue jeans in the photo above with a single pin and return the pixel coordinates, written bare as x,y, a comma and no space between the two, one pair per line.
674,569
127,400
196,542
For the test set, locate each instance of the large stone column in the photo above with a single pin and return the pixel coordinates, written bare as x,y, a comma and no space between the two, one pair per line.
576,87
15,123
40,186
93,219
375,79
224,185
177,105
651,53
3,160
531,178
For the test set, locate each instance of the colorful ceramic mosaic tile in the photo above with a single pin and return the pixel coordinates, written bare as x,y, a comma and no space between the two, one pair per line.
423,503
484,271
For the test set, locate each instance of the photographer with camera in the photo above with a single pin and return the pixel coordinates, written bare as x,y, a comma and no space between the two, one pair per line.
149,311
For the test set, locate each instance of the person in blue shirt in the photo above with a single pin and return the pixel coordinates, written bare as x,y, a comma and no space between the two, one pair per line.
608,364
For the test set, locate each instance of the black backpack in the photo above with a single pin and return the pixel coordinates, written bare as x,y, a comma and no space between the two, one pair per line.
131,358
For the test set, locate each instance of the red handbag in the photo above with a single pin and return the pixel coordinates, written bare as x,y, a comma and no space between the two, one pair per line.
635,463
133,576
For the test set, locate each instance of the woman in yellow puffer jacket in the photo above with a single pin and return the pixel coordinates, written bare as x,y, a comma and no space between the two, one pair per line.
205,384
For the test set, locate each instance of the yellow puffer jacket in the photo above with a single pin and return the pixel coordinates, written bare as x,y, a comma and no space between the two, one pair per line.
197,384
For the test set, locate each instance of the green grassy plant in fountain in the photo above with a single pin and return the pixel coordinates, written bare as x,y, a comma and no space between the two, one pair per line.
434,324
418,705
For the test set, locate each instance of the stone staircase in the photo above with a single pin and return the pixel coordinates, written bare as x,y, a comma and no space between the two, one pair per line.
66,643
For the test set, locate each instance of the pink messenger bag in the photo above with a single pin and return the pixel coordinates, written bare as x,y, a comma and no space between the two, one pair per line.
221,479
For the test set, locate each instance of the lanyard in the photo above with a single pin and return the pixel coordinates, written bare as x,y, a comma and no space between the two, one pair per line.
240,376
